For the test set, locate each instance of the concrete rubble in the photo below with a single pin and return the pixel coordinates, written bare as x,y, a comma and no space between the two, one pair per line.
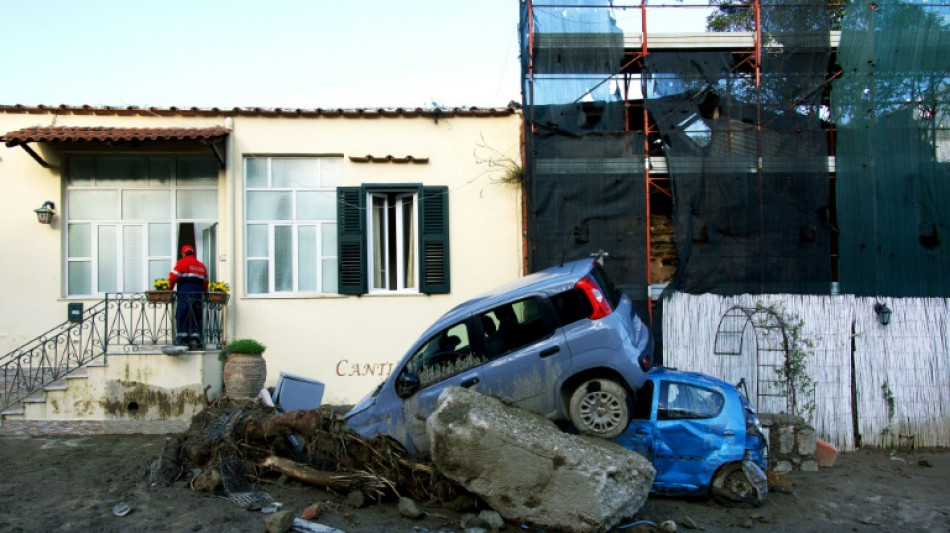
530,471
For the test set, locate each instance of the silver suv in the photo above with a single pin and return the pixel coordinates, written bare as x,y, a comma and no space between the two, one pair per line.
563,342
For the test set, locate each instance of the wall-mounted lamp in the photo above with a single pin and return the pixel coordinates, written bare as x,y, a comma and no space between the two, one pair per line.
44,215
883,313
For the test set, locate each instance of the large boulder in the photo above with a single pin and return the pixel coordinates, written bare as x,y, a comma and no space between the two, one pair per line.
530,471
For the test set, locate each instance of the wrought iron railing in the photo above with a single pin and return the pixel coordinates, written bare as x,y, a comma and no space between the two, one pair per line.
126,322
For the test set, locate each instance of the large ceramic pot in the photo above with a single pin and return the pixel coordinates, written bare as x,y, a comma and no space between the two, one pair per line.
244,375
244,368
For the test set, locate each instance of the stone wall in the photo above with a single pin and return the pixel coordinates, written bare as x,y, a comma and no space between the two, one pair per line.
791,443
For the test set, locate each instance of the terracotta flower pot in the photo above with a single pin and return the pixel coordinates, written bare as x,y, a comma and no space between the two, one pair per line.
158,296
218,297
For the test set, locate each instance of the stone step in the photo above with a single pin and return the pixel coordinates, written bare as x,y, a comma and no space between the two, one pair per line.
13,411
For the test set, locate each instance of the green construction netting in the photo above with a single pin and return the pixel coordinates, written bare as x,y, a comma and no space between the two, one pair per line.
893,149
756,206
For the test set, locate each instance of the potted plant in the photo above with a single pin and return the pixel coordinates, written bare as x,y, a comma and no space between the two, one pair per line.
218,292
162,291
244,368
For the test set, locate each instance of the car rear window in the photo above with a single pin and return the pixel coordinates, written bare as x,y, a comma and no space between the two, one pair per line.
571,306
611,291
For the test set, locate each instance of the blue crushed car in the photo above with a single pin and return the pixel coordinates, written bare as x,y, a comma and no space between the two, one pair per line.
563,342
702,436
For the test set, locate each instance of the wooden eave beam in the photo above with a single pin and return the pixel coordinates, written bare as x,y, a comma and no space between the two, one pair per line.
37,157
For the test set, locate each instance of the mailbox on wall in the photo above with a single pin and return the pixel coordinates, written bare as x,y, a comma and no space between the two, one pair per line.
75,311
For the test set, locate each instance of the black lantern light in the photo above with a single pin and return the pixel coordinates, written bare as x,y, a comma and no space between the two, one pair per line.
883,313
44,215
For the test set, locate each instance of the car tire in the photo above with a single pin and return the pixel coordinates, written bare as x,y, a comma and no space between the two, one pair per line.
600,407
733,485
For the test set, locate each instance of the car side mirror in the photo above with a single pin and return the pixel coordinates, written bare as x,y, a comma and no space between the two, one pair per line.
406,384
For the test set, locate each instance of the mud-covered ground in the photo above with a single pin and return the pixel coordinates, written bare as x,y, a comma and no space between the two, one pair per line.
74,483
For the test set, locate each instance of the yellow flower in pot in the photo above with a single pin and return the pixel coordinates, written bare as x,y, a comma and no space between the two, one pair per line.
218,292
161,292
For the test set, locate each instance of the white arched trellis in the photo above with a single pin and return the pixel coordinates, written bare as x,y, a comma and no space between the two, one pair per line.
751,346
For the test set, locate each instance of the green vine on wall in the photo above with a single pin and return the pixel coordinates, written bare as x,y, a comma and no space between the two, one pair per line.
799,388
888,399
505,168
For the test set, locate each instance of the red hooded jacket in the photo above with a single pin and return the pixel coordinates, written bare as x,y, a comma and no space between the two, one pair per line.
189,271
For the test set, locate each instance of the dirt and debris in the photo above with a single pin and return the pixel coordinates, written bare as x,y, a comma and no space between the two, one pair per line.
232,444
76,483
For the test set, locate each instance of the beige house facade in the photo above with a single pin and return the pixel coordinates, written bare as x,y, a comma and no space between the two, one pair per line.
342,233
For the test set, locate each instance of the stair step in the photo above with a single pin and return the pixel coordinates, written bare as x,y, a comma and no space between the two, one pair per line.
36,397
13,411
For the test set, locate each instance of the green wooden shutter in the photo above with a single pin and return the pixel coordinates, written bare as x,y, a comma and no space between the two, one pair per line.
434,239
351,240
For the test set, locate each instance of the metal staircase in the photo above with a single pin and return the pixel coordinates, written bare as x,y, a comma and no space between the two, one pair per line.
125,322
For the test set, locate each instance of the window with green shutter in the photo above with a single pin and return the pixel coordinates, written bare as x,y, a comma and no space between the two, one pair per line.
393,239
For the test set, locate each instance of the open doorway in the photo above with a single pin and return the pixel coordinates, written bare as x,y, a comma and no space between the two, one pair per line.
206,248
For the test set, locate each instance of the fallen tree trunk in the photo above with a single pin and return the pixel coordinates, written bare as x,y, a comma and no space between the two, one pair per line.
339,481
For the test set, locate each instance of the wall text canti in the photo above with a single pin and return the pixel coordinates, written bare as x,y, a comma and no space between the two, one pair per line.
346,368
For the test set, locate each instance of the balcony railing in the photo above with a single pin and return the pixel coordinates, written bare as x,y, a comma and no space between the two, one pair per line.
121,322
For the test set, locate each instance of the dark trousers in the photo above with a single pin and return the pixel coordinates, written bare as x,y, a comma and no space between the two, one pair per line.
188,317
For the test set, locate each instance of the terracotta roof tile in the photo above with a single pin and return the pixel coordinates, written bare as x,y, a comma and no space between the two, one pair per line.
259,111
387,159
101,134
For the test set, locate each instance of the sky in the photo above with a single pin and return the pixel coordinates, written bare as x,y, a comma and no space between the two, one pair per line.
275,53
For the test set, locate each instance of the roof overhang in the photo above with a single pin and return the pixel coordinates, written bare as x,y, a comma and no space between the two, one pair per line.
25,136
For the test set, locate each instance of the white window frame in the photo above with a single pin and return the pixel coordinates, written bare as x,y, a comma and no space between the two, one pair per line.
122,225
295,224
398,196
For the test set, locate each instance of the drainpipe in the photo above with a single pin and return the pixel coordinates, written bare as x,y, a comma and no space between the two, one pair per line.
230,175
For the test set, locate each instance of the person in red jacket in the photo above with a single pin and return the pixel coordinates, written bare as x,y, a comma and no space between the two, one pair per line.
191,277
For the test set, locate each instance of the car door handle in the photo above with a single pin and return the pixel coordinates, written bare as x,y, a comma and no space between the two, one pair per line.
641,431
548,352
728,433
469,382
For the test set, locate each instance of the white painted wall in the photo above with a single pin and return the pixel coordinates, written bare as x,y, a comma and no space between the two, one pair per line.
331,338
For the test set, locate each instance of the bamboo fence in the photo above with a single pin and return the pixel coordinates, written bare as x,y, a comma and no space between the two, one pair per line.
901,376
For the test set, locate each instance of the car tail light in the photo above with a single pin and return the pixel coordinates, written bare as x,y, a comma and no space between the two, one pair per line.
596,296
644,361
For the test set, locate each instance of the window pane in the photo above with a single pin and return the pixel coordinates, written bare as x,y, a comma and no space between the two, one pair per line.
283,259
90,204
82,171
121,171
329,240
79,277
408,244
133,259
197,171
108,264
160,239
144,204
159,171
198,203
257,276
331,172
329,275
255,170
267,205
316,205
295,173
379,242
307,258
257,240
158,268
80,240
